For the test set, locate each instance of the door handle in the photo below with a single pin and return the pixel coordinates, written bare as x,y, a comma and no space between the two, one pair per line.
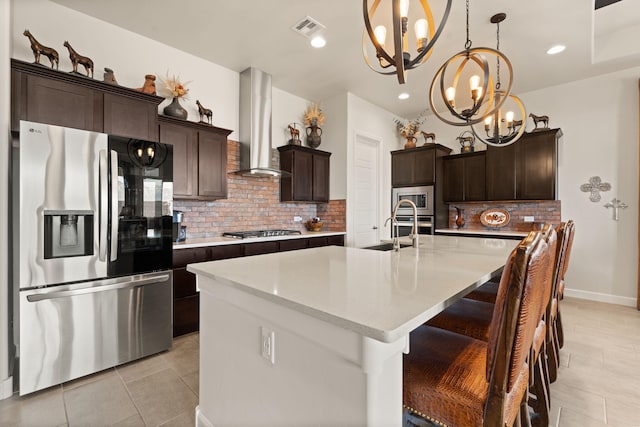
128,283
104,205
114,206
374,227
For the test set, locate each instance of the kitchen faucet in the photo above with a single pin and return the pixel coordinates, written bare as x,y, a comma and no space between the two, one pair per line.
414,229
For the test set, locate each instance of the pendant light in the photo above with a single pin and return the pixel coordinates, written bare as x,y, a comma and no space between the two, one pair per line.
400,60
473,105
498,130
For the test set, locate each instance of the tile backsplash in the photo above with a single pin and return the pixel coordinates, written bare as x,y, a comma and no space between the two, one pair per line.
547,211
253,204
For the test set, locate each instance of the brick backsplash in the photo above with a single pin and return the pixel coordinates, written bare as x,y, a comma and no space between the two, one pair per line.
253,204
334,215
547,211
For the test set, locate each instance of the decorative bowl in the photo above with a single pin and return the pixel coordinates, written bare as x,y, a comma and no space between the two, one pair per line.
314,226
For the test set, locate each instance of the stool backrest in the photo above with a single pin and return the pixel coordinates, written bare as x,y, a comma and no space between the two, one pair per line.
515,318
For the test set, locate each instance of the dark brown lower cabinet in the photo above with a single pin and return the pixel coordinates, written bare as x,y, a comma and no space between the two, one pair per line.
186,300
260,248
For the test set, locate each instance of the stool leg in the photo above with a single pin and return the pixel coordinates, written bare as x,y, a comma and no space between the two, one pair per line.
560,331
541,404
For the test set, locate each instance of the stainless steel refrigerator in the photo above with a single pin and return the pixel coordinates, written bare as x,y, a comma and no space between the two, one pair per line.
92,220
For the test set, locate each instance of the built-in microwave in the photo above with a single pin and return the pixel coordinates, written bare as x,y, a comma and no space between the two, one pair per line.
421,196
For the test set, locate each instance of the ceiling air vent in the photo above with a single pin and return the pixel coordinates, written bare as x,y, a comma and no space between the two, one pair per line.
307,27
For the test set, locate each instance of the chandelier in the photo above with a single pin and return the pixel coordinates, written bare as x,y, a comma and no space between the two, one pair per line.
500,131
399,60
472,103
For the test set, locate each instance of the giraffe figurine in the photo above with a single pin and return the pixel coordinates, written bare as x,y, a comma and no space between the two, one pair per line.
76,59
39,49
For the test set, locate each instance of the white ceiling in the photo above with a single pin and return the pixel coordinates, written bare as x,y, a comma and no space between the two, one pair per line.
241,33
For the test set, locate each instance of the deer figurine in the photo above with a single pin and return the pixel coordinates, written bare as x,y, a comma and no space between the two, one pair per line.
204,112
540,119
38,49
76,59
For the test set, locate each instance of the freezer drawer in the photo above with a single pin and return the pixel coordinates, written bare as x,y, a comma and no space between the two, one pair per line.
74,330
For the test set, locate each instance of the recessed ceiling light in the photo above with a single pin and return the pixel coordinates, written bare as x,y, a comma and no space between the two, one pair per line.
556,49
403,95
318,41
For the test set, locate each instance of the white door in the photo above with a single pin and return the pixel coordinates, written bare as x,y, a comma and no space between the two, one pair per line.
366,191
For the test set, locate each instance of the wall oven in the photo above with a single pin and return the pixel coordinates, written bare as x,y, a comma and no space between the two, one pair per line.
422,197
92,222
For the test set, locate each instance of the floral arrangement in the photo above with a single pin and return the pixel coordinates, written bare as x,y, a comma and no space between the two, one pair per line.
409,128
313,115
172,87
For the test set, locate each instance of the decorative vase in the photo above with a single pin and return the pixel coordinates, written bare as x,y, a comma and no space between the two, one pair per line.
459,217
175,110
314,134
411,142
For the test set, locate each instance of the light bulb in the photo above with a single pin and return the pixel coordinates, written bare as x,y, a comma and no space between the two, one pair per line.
474,82
404,8
509,117
381,34
450,93
487,123
421,26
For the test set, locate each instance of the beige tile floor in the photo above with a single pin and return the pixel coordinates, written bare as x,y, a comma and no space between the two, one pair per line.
598,383
160,390
599,379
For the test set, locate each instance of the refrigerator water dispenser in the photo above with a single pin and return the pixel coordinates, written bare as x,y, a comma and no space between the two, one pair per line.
68,233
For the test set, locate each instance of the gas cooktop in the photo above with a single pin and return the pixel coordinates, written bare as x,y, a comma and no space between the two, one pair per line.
259,233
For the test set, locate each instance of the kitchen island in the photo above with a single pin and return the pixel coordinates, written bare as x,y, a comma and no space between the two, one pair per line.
315,337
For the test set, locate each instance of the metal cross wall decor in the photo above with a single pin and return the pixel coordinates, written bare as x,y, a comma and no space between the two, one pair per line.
595,186
616,205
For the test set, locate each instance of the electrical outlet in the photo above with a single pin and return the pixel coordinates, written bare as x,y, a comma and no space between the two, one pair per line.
528,219
297,219
267,344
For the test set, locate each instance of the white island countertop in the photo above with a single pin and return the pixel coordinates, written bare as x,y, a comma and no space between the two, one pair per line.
381,295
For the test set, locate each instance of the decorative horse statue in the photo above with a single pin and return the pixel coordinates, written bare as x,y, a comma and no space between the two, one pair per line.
428,135
538,119
204,112
295,135
76,59
38,49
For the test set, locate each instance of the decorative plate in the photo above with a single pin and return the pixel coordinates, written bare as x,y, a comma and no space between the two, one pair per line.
494,218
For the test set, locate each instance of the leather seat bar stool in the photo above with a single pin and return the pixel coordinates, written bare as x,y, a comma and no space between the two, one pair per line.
455,380
473,318
555,336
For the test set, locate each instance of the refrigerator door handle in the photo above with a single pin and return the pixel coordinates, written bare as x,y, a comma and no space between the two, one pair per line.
114,206
104,206
129,283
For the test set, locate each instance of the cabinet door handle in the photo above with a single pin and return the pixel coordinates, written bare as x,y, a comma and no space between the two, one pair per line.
374,227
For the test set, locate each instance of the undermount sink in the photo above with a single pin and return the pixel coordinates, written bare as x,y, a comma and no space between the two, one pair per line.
386,246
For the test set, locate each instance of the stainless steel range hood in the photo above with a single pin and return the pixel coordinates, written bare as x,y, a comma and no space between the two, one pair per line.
255,125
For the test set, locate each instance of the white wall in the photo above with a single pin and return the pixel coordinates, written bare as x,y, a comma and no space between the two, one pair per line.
130,55
287,108
6,388
599,119
371,120
334,140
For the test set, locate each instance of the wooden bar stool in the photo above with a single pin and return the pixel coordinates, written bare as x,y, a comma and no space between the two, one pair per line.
474,318
455,380
555,336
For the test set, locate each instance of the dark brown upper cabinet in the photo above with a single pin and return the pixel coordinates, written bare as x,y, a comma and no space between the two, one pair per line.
309,180
199,158
44,95
525,170
416,166
464,177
